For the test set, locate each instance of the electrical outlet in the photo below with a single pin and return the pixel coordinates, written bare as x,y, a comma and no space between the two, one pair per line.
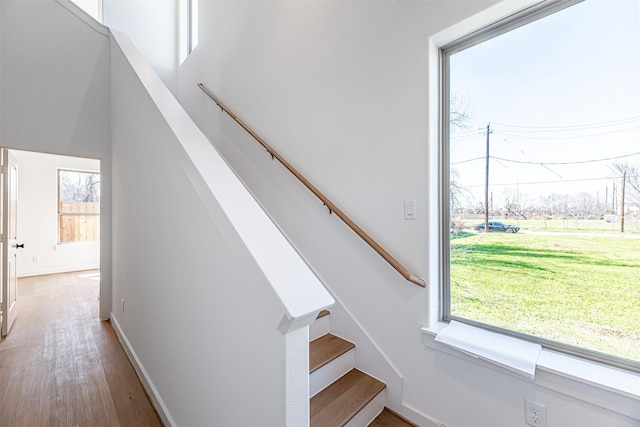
122,305
535,414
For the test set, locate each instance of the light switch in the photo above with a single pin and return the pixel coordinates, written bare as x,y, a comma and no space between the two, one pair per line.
410,209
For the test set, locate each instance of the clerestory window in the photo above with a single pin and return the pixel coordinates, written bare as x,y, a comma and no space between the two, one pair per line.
92,7
192,25
188,28
541,178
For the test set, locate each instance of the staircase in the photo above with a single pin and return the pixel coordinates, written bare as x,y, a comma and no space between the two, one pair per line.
341,395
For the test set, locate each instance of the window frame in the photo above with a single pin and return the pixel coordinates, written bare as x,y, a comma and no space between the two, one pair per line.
59,213
487,32
192,25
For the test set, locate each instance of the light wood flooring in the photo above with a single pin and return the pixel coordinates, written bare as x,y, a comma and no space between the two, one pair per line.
61,366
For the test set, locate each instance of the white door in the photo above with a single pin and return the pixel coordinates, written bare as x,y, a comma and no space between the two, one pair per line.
10,244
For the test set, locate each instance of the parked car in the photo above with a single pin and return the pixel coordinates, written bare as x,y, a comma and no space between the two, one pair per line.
498,227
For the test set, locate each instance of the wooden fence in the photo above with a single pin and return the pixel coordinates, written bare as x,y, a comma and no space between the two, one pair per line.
79,221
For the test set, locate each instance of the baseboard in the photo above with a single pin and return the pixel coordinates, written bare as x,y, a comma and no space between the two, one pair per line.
418,417
57,271
151,390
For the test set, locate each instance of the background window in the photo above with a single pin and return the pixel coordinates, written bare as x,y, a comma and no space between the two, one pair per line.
542,178
78,206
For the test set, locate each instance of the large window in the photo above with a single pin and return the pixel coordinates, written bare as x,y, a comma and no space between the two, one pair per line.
78,206
541,178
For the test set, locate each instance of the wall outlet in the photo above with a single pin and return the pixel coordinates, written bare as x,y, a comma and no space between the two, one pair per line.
36,259
535,414
122,305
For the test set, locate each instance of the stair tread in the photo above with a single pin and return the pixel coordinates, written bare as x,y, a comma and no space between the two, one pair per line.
388,418
337,404
325,349
322,314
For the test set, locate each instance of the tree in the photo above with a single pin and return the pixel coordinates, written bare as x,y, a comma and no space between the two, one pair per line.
79,186
459,112
459,116
631,172
510,202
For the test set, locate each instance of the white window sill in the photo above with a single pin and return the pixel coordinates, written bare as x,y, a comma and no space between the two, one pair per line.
71,245
611,388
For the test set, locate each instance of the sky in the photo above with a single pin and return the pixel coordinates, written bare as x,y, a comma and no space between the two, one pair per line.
562,90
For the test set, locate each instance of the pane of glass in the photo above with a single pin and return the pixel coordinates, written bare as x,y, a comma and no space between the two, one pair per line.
79,206
92,7
557,103
79,228
193,25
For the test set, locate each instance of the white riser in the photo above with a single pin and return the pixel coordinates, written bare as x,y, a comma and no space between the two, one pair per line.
329,373
369,412
319,328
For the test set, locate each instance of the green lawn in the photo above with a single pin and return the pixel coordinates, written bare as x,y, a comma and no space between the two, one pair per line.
579,290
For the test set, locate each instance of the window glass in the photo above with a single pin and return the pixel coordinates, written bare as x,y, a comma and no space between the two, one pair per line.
542,173
193,25
78,206
92,7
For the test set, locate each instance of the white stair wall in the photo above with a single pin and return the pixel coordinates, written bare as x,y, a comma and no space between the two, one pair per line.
329,373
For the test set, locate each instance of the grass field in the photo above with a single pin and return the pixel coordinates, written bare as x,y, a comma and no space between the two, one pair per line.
581,290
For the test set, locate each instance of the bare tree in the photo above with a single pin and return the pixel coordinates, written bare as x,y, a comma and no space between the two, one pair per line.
631,172
510,200
586,206
459,111
556,205
79,186
459,117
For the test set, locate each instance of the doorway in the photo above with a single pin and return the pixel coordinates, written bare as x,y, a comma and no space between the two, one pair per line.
58,216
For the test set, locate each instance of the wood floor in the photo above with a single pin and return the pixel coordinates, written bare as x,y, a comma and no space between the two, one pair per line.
61,366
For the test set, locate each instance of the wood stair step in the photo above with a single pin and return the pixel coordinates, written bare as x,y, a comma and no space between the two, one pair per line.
388,418
325,349
323,313
320,326
341,401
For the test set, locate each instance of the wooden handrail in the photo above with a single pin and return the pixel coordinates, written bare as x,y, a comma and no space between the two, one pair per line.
332,208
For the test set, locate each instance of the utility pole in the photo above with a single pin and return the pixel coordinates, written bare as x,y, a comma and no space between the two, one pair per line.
486,184
624,180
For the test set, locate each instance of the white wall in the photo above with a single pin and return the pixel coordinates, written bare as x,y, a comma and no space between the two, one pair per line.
152,25
205,316
55,95
37,216
343,90
1,56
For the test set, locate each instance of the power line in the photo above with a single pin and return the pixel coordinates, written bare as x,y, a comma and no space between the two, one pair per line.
549,163
578,162
567,137
468,160
543,182
574,127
